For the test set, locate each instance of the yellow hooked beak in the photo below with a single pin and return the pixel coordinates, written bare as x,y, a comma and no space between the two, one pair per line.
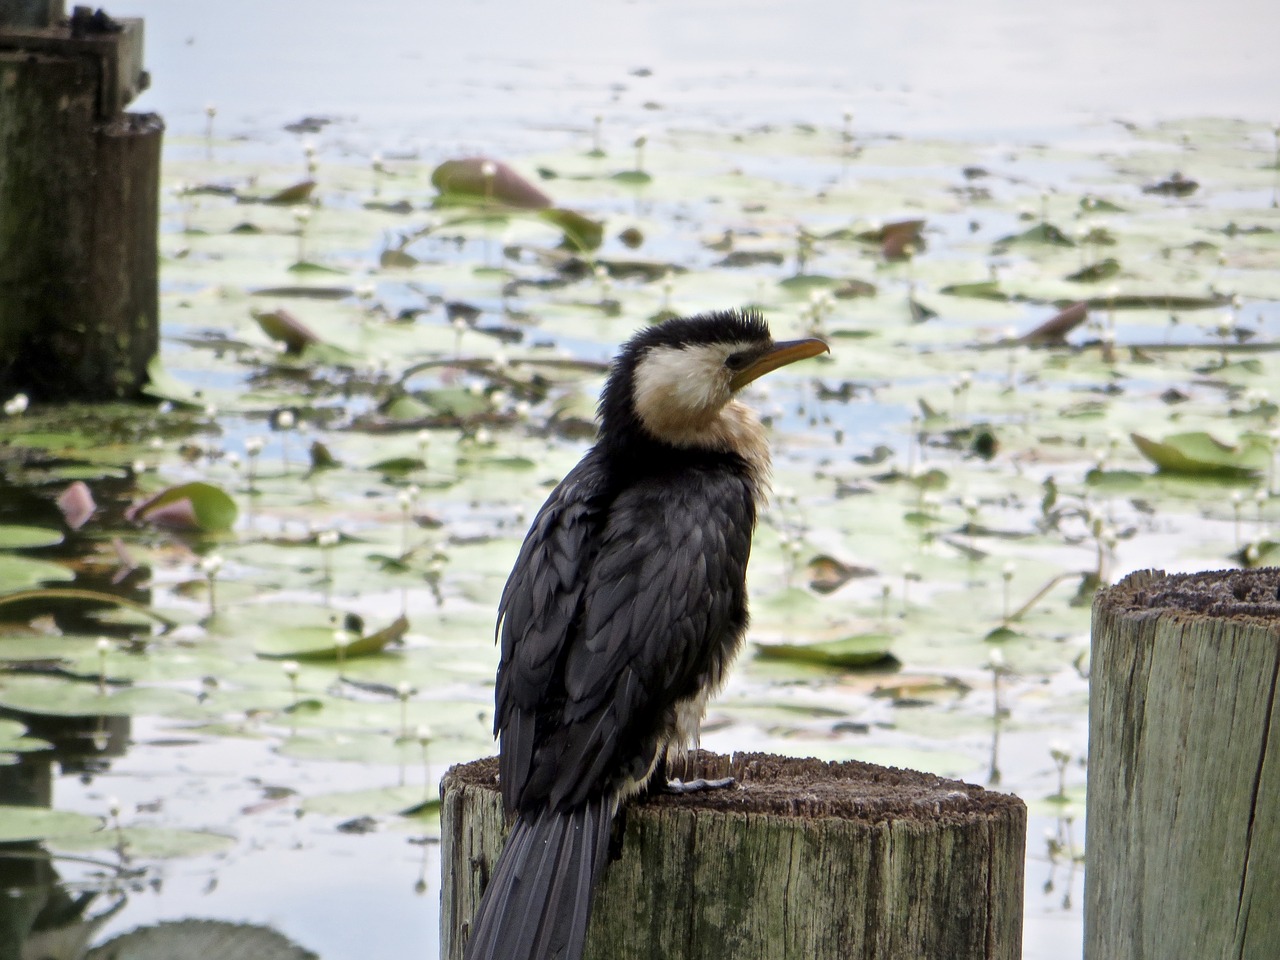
779,355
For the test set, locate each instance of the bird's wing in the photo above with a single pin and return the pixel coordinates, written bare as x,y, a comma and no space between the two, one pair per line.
536,616
662,609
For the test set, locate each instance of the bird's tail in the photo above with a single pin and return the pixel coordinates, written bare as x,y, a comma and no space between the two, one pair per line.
538,902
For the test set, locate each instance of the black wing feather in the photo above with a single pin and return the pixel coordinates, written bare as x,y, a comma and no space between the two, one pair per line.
638,600
537,612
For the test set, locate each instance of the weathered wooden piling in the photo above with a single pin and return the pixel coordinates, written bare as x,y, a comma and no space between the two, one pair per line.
79,195
1183,813
804,859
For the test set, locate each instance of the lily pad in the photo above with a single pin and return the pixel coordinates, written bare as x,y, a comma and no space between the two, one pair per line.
147,842
189,506
1198,452
850,653
1042,234
1096,272
283,327
484,180
14,738
319,645
22,572
20,537
38,823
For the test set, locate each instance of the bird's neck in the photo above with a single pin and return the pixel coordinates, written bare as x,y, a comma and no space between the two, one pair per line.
733,431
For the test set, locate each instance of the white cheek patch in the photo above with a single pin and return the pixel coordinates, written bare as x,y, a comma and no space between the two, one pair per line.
679,385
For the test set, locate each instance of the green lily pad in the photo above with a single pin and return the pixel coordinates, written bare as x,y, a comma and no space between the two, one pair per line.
1198,452
14,738
580,233
1040,234
172,939
196,505
315,644
63,697
1096,272
486,181
850,653
147,842
981,289
633,178
21,573
38,823
19,537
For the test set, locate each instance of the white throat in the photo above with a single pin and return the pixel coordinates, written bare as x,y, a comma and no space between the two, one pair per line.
682,397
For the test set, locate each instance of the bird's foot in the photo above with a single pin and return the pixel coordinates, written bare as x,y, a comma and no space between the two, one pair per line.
697,786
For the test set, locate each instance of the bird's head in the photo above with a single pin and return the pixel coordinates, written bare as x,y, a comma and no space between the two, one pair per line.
674,380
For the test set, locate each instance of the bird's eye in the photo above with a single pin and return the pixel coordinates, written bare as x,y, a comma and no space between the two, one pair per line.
740,360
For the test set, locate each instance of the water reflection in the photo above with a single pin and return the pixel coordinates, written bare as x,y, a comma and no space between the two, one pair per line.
41,915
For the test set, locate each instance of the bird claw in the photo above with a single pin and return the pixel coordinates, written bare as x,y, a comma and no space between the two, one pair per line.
680,787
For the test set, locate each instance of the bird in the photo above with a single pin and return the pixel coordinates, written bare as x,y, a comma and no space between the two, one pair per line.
624,609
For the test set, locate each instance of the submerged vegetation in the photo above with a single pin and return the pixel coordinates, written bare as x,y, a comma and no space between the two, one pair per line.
1048,367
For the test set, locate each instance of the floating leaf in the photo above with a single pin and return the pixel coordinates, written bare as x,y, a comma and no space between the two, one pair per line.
20,537
188,506
398,466
396,259
38,823
803,283
297,193
920,312
321,457
14,738
77,505
1175,186
21,572
897,240
1056,328
320,645
483,180
61,697
1198,452
283,327
211,939
305,293
580,233
852,653
310,266
1042,234
981,289
1156,301
1260,553
853,288
147,842
827,574
1095,272
50,596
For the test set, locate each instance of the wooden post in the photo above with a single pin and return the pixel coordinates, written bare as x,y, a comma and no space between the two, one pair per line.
79,196
1183,810
806,860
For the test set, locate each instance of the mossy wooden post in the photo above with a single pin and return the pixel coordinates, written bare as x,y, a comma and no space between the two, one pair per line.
79,198
805,861
1183,825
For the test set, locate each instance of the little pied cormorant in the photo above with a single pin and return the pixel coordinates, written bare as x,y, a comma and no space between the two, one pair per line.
625,607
